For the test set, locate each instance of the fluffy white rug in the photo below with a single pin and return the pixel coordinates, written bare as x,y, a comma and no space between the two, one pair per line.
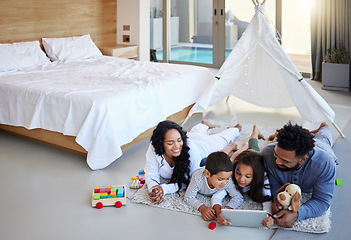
176,202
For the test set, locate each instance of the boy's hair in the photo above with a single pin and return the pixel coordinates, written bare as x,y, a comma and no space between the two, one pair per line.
255,160
218,162
293,137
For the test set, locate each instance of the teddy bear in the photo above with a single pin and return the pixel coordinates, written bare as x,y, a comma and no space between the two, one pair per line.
289,196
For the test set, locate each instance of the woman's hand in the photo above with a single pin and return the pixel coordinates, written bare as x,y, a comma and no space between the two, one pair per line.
156,194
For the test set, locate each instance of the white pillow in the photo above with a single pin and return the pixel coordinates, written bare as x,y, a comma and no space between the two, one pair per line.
16,56
71,48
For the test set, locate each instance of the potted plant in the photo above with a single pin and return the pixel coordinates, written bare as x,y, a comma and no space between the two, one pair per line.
336,69
156,28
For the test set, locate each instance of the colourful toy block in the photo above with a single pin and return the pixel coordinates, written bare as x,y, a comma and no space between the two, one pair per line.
102,187
108,190
96,196
97,189
338,182
141,171
108,186
134,178
142,180
135,184
120,192
103,195
114,189
109,196
212,225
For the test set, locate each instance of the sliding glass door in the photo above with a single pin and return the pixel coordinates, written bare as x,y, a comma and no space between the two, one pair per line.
296,33
186,31
203,32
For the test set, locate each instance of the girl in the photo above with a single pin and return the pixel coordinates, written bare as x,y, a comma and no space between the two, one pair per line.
249,176
174,154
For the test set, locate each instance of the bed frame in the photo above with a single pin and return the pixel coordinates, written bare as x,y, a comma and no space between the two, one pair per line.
39,20
68,143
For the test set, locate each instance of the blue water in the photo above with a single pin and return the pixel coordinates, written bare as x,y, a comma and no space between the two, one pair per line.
191,54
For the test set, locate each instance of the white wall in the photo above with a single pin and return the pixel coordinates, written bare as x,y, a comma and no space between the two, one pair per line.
135,13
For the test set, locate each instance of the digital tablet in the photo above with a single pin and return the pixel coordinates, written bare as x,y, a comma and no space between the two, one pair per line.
244,218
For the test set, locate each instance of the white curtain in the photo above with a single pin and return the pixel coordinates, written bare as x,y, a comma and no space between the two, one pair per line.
330,26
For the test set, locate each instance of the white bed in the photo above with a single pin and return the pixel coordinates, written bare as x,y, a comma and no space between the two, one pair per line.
104,102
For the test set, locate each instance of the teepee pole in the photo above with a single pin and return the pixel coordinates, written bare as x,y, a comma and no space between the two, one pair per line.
338,129
186,119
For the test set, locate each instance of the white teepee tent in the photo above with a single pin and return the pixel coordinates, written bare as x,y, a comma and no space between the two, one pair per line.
260,72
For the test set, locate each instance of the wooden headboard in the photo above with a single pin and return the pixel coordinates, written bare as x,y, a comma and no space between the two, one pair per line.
27,20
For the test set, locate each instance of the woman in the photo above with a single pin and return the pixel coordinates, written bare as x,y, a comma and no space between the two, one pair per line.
174,154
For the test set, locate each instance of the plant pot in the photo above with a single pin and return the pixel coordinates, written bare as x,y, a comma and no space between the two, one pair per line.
336,76
156,32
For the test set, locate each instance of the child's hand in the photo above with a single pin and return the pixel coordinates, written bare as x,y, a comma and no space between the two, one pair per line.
222,221
268,222
207,212
227,207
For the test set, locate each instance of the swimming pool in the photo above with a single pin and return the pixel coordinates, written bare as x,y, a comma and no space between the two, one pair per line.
191,54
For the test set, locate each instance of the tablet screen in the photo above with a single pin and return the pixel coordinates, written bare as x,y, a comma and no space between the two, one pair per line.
244,218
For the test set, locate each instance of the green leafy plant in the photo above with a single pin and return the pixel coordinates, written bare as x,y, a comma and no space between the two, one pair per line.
337,55
155,13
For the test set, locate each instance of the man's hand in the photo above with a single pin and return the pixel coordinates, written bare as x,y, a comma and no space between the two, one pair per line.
156,194
285,218
207,212
276,206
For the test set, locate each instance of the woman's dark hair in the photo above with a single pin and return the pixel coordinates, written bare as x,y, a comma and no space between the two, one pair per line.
293,137
181,171
218,162
255,160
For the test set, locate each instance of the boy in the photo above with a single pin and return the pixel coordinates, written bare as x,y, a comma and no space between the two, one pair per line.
213,180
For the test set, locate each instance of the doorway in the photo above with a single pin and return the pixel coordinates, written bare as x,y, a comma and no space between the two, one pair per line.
203,32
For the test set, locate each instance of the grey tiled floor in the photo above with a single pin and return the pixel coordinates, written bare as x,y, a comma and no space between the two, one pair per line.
46,192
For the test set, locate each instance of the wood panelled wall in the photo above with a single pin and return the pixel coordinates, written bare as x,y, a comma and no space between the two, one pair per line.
26,20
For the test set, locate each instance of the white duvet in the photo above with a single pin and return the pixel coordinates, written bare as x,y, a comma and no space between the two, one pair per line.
105,102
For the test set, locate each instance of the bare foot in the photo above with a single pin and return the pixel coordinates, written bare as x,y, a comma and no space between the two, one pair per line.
273,136
238,126
323,124
244,147
232,147
210,125
256,133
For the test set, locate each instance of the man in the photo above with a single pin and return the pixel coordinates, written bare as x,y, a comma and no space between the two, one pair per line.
306,159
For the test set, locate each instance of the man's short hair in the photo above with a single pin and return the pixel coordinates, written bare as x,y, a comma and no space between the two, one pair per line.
218,162
293,137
